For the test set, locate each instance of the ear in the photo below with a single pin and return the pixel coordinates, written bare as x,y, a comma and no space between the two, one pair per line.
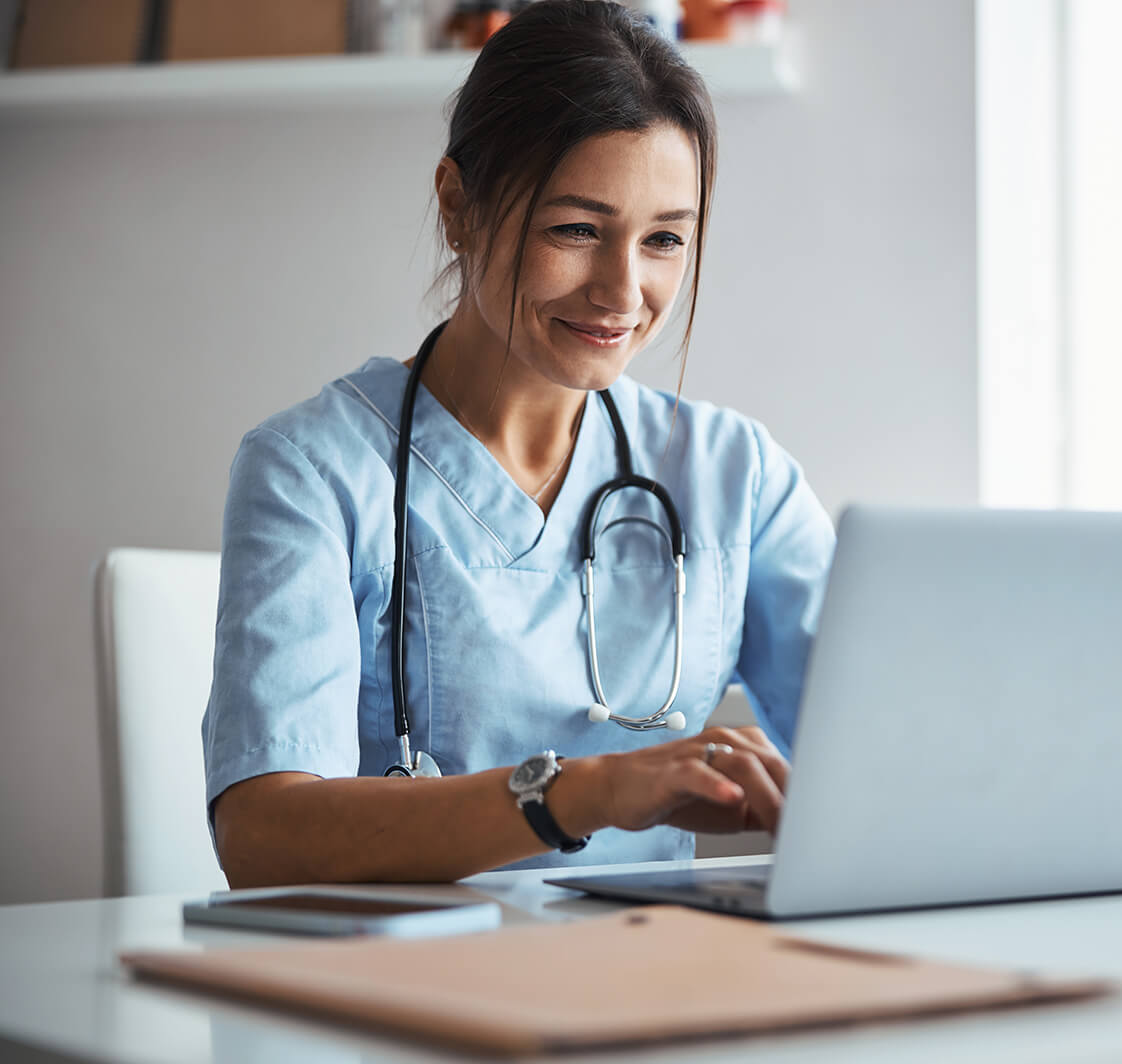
452,200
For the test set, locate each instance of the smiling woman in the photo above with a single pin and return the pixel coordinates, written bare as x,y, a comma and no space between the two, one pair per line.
411,559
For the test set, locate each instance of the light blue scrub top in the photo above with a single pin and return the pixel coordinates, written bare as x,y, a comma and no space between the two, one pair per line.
495,641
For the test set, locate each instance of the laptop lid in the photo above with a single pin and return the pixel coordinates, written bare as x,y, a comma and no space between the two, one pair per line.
960,736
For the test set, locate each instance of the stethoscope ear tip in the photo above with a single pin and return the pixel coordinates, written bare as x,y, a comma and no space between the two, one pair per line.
598,713
676,721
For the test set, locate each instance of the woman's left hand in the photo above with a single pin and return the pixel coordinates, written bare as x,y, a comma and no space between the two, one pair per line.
742,754
723,780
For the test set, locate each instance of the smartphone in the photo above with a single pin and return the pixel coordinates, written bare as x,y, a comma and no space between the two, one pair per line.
338,911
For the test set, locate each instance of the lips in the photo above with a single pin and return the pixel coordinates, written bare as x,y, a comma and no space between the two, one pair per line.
597,330
602,335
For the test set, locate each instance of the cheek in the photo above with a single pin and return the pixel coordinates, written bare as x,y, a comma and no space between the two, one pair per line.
552,273
665,282
491,291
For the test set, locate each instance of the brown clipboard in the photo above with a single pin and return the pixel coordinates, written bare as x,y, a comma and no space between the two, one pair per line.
648,974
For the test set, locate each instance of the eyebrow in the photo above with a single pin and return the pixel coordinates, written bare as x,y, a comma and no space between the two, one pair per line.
598,207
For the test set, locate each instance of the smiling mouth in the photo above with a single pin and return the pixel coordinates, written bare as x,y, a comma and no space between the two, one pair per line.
595,334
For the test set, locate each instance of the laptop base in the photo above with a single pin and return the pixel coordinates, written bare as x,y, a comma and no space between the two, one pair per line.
738,891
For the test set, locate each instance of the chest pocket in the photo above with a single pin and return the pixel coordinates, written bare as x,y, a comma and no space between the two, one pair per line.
504,668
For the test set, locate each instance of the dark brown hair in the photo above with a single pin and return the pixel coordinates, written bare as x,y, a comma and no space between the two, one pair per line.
558,73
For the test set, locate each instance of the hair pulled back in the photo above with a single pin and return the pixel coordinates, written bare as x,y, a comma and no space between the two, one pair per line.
558,73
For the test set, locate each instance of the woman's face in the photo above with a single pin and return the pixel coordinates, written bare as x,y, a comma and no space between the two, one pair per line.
606,253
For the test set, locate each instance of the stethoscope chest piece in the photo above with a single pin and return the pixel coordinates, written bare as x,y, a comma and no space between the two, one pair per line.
420,764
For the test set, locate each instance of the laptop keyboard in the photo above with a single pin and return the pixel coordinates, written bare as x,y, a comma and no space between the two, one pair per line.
745,879
741,890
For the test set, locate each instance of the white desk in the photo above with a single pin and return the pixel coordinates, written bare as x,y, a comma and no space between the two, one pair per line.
63,997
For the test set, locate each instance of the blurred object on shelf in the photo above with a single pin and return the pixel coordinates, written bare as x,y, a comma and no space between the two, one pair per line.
9,9
54,33
745,21
244,29
758,21
362,25
397,27
706,20
664,15
472,22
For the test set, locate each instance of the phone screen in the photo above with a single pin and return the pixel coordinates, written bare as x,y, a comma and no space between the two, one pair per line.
323,903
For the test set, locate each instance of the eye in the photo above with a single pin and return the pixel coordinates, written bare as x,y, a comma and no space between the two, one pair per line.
665,241
580,231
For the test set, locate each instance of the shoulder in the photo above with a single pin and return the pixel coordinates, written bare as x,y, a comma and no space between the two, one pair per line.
693,439
658,419
355,416
721,463
325,461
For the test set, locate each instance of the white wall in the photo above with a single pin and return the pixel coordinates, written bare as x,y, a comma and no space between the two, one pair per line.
166,282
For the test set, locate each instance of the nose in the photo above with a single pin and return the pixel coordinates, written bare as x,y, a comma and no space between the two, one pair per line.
616,284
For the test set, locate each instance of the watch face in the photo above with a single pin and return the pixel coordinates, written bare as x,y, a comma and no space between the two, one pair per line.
531,774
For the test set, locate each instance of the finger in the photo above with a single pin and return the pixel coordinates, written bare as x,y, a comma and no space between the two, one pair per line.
765,799
757,735
740,738
712,749
698,815
763,795
753,740
756,740
778,768
693,778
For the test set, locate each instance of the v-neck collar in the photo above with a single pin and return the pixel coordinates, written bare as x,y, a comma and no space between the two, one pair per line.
484,486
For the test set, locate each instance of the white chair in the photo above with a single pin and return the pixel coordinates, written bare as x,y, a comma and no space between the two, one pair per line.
154,629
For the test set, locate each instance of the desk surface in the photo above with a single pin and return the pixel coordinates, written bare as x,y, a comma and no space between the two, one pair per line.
64,998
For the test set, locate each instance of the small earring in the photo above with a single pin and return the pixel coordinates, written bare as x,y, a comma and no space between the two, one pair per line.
457,245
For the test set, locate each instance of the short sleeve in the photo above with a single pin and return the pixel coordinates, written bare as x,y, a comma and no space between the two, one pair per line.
792,547
286,657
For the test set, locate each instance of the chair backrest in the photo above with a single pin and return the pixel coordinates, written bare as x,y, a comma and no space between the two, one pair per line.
154,629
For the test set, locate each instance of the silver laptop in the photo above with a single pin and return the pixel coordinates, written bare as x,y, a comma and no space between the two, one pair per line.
960,736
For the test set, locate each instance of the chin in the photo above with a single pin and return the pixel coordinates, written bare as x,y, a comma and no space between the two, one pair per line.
588,375
589,368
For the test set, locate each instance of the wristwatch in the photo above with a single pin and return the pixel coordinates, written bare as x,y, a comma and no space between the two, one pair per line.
529,782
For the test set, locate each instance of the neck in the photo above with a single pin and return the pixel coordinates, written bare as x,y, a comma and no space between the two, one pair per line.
526,421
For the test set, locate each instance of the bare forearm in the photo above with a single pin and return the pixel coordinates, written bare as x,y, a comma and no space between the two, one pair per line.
295,828
291,827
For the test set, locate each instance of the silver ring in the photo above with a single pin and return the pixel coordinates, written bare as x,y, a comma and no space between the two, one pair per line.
714,748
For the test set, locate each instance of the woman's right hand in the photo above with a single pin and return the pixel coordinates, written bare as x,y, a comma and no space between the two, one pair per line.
740,787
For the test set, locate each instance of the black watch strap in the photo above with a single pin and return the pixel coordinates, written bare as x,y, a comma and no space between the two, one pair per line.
548,830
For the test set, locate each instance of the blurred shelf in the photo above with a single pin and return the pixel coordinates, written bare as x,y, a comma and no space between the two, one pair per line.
732,70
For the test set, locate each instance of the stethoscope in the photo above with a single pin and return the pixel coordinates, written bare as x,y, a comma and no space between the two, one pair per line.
419,763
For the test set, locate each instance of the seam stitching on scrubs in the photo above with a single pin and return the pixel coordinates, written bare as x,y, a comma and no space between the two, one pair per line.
380,572
277,744
441,546
717,641
379,686
428,645
758,486
436,472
